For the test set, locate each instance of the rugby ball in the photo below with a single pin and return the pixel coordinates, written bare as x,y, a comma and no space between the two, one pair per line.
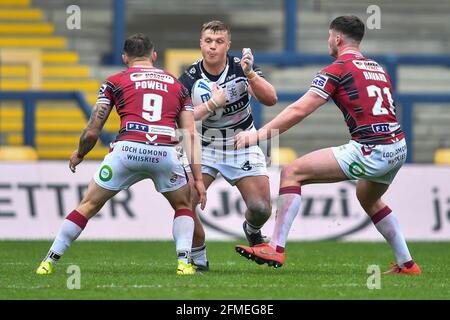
201,92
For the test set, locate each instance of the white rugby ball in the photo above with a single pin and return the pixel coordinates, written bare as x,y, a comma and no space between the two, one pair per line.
201,92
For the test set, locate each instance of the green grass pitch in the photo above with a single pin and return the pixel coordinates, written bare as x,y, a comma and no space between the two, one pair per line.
146,270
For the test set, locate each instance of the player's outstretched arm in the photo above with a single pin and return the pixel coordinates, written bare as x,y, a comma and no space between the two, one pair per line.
90,134
259,87
193,150
290,116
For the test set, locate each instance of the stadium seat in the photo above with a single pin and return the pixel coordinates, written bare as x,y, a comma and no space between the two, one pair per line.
33,42
21,14
75,71
18,153
15,3
27,28
283,156
59,57
442,156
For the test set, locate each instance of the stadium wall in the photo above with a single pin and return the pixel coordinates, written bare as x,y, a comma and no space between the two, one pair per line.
35,197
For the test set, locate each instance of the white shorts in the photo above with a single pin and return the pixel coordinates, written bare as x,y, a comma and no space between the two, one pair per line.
233,165
379,163
131,162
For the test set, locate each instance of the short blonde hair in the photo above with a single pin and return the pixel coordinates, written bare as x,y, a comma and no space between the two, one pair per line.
216,26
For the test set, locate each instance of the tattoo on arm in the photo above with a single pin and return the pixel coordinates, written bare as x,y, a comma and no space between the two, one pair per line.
90,134
99,115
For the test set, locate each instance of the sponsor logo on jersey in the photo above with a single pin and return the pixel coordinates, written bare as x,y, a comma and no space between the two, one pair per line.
380,127
192,70
139,76
367,65
136,126
320,81
239,105
385,127
151,129
164,130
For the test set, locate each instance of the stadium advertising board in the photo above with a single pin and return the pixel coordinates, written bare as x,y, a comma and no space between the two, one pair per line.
35,197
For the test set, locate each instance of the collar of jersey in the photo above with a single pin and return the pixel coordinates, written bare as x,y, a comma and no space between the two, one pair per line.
357,53
144,67
222,75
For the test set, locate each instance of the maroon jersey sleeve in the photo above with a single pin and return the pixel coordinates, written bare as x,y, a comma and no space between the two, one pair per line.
326,81
106,92
185,99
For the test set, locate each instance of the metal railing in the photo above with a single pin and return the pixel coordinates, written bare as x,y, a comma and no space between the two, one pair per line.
29,102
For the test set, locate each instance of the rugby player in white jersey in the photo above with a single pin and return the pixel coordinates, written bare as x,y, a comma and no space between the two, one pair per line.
237,79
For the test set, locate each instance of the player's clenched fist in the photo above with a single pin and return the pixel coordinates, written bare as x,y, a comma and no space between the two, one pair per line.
245,139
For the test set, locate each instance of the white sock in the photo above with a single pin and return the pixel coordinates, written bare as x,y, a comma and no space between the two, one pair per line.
183,231
198,255
288,204
387,224
68,232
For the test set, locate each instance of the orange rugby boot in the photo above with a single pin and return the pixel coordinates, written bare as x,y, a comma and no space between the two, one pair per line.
262,253
414,269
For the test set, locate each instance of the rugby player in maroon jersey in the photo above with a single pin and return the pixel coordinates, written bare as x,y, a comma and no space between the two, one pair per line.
151,104
362,91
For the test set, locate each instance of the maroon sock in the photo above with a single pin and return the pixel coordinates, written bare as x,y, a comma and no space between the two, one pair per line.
77,218
184,212
279,249
409,264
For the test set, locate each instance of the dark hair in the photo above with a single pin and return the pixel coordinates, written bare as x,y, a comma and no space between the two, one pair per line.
138,45
350,26
216,26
